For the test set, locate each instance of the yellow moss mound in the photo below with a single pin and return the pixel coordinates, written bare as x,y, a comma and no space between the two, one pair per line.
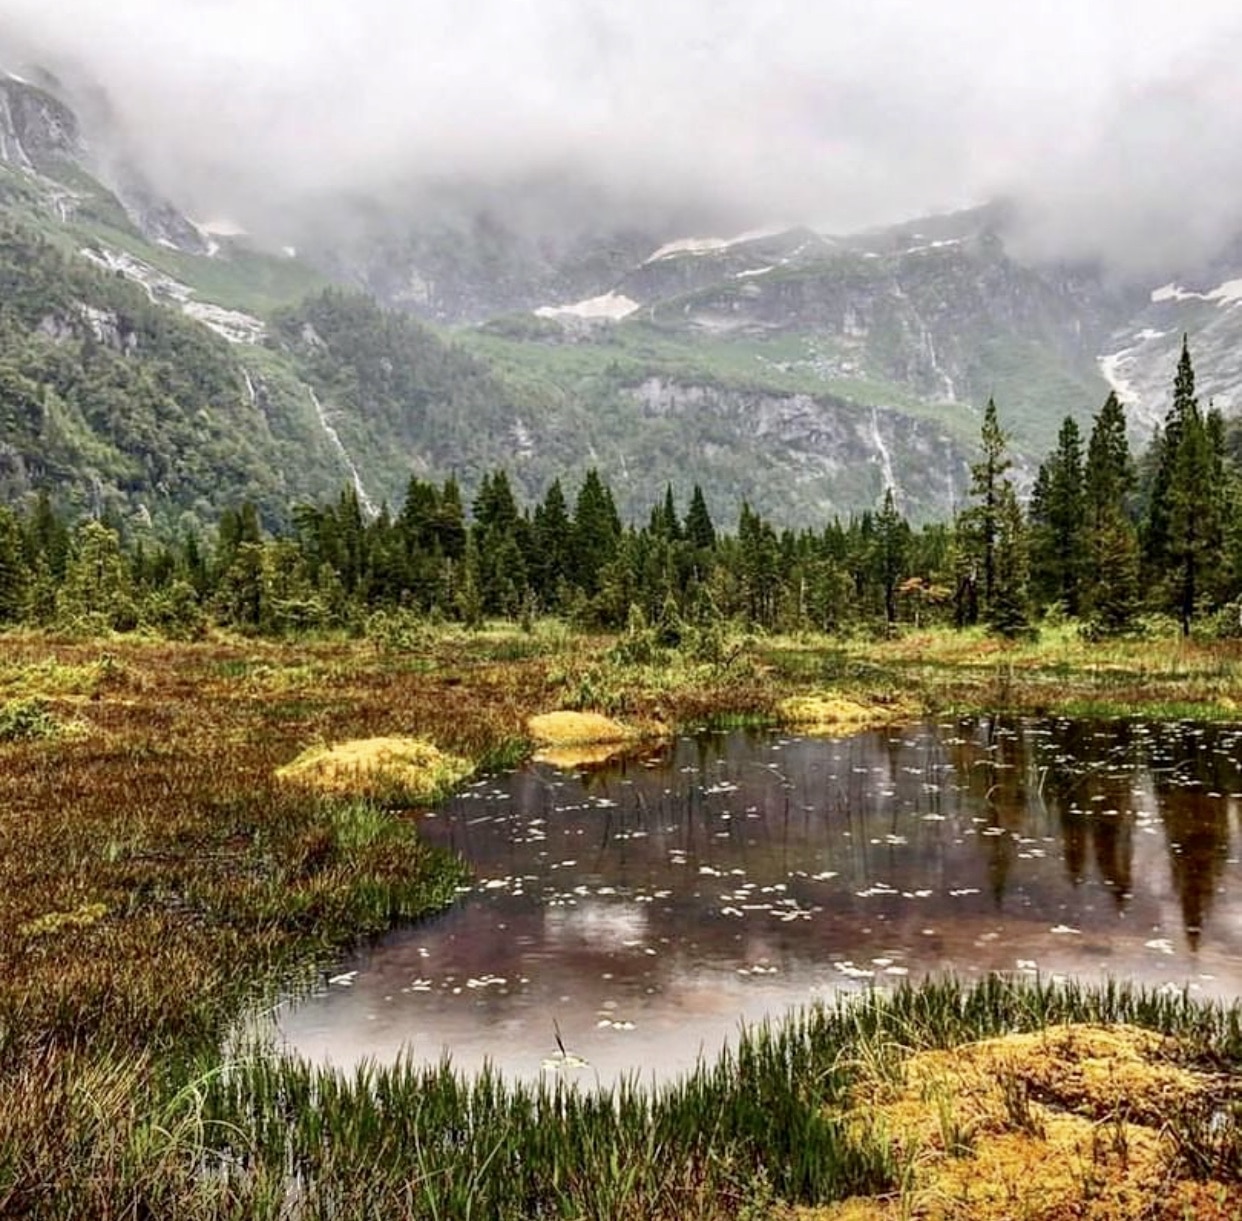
1067,1122
577,729
829,714
377,767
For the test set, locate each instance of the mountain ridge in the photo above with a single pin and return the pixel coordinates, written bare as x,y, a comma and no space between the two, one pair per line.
805,372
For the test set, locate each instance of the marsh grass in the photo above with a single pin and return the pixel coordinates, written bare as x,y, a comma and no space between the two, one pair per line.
157,881
1159,676
772,1119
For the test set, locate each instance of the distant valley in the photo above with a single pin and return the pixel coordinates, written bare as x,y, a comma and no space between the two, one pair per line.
159,368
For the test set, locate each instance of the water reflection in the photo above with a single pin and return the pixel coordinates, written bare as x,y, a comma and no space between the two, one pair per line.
648,906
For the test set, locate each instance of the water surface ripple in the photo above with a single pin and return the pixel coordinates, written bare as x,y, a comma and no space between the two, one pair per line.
646,908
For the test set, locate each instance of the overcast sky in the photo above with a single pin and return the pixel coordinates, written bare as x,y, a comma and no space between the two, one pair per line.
1118,121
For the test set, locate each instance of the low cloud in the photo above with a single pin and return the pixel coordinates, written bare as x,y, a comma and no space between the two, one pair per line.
1118,130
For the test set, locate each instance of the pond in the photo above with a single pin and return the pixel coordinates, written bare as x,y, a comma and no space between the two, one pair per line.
637,913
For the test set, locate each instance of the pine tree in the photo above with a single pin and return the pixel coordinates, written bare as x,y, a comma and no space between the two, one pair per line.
700,533
97,584
1008,610
451,522
1184,531
1058,523
597,528
1157,529
892,546
987,478
1193,519
552,546
1109,477
15,568
979,526
664,523
1112,586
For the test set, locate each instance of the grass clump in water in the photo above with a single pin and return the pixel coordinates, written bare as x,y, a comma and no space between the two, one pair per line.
395,770
827,714
567,728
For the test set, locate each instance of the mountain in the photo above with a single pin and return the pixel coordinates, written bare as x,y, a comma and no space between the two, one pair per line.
160,367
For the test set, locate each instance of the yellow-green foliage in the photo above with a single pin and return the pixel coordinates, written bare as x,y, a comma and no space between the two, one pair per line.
408,769
577,729
837,714
54,922
1070,1121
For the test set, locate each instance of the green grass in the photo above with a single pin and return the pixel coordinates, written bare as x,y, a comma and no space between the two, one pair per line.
765,1121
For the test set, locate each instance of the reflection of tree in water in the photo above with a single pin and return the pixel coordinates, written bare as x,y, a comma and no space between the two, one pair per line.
1196,819
993,765
1091,797
1082,772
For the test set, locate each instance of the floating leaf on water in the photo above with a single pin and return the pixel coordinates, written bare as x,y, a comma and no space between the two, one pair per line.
848,968
1065,928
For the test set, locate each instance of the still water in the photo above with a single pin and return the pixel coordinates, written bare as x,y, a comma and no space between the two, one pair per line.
646,908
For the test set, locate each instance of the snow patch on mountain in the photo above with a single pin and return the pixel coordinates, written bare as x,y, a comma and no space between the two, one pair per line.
1136,374
611,307
162,289
708,245
1229,293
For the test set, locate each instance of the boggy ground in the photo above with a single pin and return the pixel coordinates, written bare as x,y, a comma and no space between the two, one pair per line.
157,877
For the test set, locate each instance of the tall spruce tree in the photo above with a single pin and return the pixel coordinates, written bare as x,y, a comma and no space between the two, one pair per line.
1009,607
1183,541
552,550
979,526
1058,534
1156,533
597,529
700,532
1111,595
892,547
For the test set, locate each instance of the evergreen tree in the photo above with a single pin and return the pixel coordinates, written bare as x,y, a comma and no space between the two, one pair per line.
1109,477
892,546
97,584
664,523
15,568
1112,589
1194,533
979,526
597,529
451,522
987,479
700,533
1115,569
1058,532
1008,610
1157,529
552,546
1183,542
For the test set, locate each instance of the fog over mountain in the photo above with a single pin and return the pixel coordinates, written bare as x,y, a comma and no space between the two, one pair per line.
1115,126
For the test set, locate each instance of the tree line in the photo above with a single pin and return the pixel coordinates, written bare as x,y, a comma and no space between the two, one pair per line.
1103,539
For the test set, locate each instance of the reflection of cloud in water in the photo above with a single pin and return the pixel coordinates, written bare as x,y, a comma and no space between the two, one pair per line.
603,925
652,907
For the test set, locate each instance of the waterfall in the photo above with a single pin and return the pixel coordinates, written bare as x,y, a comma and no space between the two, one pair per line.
886,459
366,503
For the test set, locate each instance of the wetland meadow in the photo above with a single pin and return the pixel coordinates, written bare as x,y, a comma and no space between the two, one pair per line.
933,926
